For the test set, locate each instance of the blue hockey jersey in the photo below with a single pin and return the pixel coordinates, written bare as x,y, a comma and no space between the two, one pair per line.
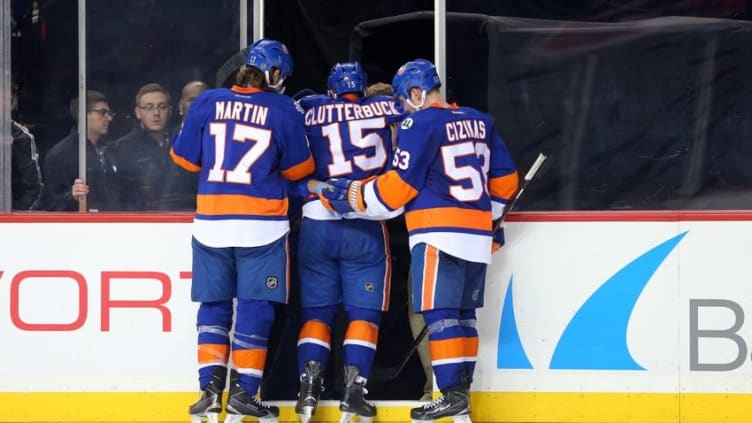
453,174
350,137
246,143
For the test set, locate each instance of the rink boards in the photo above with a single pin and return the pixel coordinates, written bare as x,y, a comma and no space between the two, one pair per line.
589,317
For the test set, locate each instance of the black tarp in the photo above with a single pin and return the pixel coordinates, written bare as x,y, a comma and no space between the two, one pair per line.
645,114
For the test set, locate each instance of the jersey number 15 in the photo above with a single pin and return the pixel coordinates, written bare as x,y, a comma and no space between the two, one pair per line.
340,164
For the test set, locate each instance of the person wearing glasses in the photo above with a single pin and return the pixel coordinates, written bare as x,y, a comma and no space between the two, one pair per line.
143,153
63,189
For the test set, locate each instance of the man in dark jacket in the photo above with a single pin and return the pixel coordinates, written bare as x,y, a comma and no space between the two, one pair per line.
143,154
26,178
63,188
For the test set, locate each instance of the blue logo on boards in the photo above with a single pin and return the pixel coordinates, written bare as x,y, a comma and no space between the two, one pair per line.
596,337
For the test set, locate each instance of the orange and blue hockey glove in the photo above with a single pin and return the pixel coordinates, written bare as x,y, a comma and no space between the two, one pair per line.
342,196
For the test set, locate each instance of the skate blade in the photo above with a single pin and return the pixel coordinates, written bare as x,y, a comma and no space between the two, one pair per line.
465,418
347,417
353,418
305,416
208,417
233,418
237,418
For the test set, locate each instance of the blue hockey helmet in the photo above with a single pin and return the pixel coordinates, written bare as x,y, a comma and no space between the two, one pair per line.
267,54
347,77
418,73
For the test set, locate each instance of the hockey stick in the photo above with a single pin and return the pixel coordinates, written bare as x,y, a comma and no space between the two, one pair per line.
534,168
391,373
226,73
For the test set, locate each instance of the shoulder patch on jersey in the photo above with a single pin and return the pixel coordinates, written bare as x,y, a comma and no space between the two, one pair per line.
407,123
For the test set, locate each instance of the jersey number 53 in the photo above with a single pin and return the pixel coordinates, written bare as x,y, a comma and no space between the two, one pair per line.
474,178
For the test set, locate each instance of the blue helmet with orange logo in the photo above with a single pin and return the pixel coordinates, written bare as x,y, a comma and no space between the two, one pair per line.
418,73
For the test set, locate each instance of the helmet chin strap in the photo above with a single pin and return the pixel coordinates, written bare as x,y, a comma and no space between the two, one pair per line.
276,87
422,101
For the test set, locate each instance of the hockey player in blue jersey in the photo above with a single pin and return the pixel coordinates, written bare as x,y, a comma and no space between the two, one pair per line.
453,174
247,142
343,260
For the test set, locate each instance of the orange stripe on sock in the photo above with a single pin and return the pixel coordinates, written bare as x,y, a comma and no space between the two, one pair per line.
362,330
447,348
317,330
471,346
213,353
249,359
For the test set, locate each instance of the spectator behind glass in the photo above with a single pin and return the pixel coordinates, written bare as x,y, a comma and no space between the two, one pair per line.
143,153
61,163
25,176
179,192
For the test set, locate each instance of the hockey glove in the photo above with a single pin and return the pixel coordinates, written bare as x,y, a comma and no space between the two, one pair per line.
343,196
498,239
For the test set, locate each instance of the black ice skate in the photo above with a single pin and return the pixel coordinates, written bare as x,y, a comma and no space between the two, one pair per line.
454,403
241,404
311,383
353,403
210,404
